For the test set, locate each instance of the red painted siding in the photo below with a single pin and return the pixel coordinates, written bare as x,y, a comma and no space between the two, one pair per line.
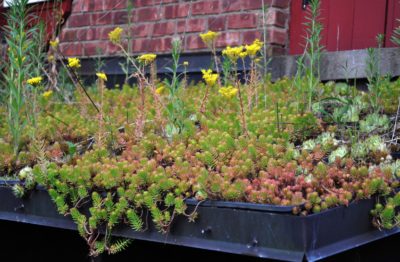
340,27
369,21
47,11
348,24
392,20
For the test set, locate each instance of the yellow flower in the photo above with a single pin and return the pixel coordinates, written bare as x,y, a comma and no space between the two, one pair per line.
74,62
50,58
209,37
186,63
102,76
160,90
243,54
147,58
209,77
228,92
47,94
115,35
254,48
54,43
233,53
35,80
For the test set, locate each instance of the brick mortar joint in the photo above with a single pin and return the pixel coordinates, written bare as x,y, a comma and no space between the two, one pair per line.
232,30
259,25
239,30
222,13
119,54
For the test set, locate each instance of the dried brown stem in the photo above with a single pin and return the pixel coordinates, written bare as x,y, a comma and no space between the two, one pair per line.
205,98
141,117
243,116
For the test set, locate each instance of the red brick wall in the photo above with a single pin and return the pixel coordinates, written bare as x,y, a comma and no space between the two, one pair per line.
156,22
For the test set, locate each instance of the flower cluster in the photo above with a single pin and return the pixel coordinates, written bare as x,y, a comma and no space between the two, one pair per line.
54,43
209,37
47,94
228,92
101,76
254,48
147,58
115,35
74,62
160,90
209,77
35,80
233,53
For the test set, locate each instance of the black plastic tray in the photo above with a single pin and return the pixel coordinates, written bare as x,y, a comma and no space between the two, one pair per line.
395,155
241,205
238,228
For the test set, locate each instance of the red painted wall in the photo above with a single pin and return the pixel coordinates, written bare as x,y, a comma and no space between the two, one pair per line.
45,11
348,24
392,20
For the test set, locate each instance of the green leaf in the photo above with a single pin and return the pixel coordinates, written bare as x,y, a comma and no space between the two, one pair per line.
71,148
119,246
171,130
134,220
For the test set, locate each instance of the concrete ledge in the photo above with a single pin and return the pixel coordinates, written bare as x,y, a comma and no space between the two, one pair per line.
340,65
334,65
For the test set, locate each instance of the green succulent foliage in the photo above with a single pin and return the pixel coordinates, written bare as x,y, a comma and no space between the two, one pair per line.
80,221
309,145
376,143
305,126
393,167
18,190
374,122
385,215
119,245
349,109
388,101
280,161
100,247
134,220
114,196
359,150
326,141
339,153
376,185
59,200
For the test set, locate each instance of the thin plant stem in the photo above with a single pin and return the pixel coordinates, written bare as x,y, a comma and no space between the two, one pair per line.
77,82
203,101
395,120
242,114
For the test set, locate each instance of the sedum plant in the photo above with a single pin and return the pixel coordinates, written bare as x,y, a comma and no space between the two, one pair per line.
137,154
